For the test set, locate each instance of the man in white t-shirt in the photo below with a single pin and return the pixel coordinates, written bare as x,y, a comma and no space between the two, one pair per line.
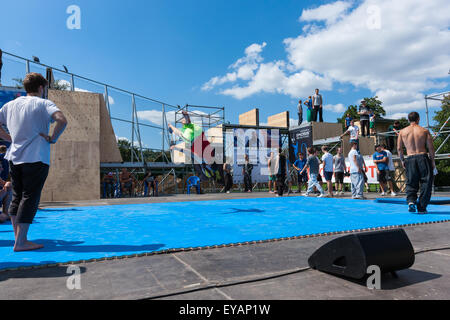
28,121
356,172
354,133
327,160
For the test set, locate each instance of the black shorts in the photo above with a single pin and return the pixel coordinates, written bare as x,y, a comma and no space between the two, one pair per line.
339,177
328,175
382,176
302,177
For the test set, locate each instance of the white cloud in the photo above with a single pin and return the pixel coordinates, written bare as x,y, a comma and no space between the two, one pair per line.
337,108
328,12
396,49
397,115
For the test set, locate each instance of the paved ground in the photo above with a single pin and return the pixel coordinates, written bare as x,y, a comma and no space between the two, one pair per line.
263,271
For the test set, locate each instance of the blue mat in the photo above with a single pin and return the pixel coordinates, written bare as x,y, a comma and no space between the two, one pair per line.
83,233
437,200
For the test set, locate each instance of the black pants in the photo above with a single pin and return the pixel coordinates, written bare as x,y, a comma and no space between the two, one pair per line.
314,112
365,128
419,174
280,183
248,182
27,181
300,118
228,182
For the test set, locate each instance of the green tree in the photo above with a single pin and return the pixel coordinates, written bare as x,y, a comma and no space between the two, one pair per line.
443,166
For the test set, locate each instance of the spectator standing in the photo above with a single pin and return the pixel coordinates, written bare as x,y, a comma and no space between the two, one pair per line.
281,172
150,183
381,160
4,175
356,172
300,112
228,176
271,165
339,171
364,114
391,170
309,110
299,164
127,182
28,121
313,164
317,106
247,173
327,159
108,185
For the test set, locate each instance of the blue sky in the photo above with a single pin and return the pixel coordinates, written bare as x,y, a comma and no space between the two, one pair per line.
169,50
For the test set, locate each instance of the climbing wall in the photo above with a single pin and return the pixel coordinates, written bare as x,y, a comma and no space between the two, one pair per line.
75,158
280,120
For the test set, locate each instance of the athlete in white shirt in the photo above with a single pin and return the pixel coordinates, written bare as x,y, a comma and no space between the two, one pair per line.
28,121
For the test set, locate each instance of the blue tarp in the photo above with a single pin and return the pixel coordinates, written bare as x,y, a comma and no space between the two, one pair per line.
82,233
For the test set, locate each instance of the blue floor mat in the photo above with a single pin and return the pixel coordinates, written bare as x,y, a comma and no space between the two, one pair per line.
83,233
438,200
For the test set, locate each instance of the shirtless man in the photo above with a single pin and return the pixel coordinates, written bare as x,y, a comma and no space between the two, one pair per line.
419,164
127,181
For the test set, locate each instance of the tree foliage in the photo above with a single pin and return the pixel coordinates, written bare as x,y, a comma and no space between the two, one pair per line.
443,166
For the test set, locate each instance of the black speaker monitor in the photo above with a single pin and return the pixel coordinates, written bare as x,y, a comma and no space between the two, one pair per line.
351,255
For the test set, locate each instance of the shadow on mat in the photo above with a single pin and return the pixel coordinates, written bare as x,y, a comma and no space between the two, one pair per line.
76,246
404,278
244,210
59,210
53,272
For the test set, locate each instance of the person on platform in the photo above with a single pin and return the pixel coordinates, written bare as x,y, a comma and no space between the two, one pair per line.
347,120
247,173
327,160
364,115
299,164
419,165
309,109
313,164
317,106
353,131
28,121
372,119
339,171
356,172
300,112
394,131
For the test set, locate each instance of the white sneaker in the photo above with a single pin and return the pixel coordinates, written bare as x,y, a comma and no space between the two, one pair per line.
305,195
393,194
321,195
383,194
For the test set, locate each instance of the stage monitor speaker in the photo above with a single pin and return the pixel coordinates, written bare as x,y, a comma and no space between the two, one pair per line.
351,255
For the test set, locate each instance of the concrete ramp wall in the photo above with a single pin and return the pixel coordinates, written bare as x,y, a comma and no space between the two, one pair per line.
88,139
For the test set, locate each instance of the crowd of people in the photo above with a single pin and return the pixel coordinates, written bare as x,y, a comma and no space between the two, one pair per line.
126,184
